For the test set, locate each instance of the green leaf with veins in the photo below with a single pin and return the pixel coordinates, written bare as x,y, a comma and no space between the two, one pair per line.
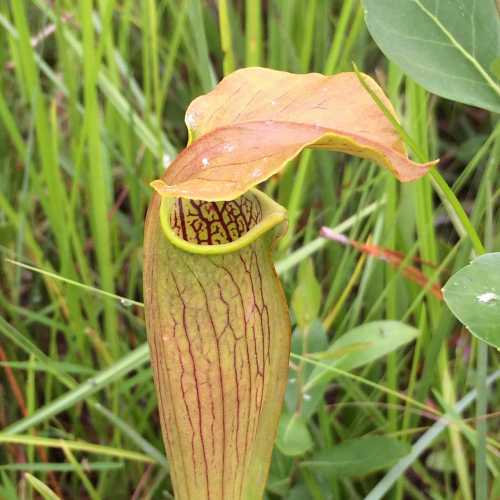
473,295
358,457
447,46
362,345
358,347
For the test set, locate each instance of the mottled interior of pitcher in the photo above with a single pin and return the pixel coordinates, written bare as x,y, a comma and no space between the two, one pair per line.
215,222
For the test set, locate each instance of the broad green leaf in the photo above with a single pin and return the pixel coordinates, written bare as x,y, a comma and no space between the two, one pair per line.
358,457
293,438
306,299
342,351
356,348
256,120
448,46
473,295
362,345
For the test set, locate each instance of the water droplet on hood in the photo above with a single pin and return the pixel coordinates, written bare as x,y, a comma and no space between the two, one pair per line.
166,160
191,119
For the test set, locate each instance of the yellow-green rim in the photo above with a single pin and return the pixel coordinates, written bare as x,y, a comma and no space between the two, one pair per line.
273,214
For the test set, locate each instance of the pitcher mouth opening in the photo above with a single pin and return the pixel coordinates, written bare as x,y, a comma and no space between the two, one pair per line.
218,227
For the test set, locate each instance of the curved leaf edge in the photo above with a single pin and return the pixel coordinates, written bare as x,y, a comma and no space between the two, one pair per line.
380,154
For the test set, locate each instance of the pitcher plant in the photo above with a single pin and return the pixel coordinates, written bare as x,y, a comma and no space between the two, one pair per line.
217,318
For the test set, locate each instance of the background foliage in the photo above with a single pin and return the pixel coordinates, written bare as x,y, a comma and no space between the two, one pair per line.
92,100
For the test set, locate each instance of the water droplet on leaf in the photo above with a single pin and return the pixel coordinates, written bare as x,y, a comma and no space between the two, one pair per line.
487,297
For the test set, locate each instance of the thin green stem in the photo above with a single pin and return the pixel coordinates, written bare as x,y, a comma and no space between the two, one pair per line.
481,471
253,35
445,193
226,38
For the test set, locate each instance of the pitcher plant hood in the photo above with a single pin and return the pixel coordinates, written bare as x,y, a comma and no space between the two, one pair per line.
257,119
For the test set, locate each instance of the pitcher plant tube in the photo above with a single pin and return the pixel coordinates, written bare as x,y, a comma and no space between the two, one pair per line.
217,319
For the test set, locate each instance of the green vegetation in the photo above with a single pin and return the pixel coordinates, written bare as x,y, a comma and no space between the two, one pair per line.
92,102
